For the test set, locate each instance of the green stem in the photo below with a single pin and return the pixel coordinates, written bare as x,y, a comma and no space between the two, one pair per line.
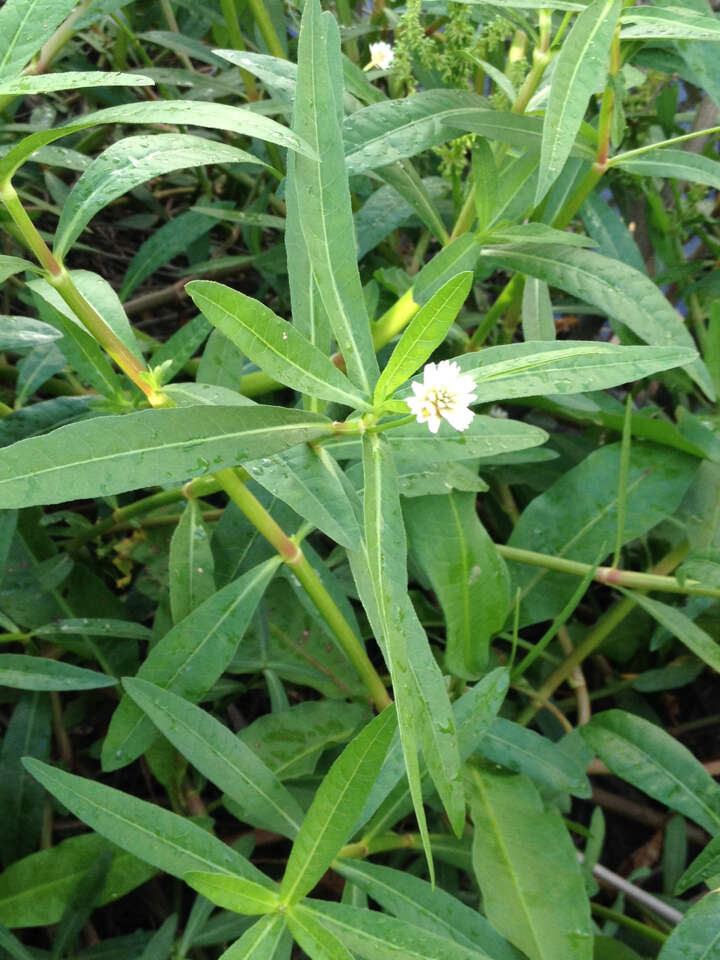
267,28
238,43
602,629
393,321
294,558
641,928
579,195
610,576
496,311
380,844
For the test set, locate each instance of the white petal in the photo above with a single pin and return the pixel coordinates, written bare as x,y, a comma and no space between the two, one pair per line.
460,417
418,388
433,422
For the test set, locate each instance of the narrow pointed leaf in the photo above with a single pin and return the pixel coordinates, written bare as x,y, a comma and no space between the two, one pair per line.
704,868
275,345
614,288
698,933
70,80
336,806
263,941
426,331
113,454
188,660
157,836
685,629
220,756
233,893
677,23
323,195
581,64
516,843
314,937
39,673
191,563
654,762
25,25
676,164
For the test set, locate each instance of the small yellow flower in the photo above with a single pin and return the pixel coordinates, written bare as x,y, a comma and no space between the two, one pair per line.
444,394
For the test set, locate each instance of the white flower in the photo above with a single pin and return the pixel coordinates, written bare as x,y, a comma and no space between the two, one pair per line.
381,55
445,393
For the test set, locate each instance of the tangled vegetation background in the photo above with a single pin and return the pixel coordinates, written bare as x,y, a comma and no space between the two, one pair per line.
360,480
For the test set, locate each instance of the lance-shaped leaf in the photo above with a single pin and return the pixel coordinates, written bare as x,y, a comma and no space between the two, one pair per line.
426,331
220,756
157,836
188,660
516,843
191,563
685,629
376,936
25,25
216,116
314,937
468,576
24,333
613,287
127,164
382,133
273,344
678,164
517,129
72,80
678,23
537,313
704,867
264,940
541,367
698,933
39,673
430,908
113,454
654,762
323,194
234,893
580,65
336,806
9,266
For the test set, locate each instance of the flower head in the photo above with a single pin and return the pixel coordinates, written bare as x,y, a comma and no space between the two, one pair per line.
446,394
381,55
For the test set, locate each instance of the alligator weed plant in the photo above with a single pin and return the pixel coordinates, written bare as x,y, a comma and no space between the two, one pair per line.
364,604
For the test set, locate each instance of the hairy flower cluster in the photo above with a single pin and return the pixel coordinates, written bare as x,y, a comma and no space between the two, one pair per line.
444,394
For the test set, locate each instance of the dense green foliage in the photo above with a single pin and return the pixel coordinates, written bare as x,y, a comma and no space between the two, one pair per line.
303,656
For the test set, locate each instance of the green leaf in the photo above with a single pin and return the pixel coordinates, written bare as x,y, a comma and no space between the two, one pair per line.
323,195
262,941
698,933
113,454
705,867
273,344
234,893
215,116
9,266
426,331
39,673
191,563
35,891
162,942
10,943
582,62
539,233
188,660
429,908
538,322
517,845
405,179
677,164
516,129
679,23
71,80
577,517
335,807
382,133
376,936
25,25
24,333
314,937
525,751
656,763
562,367
127,164
530,4
467,575
607,228
614,288
221,756
157,836
681,626
180,347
